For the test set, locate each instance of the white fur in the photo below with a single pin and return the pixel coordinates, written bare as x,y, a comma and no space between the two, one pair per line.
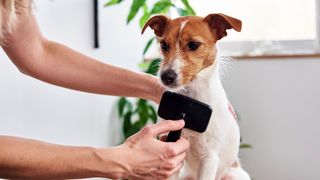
183,24
212,153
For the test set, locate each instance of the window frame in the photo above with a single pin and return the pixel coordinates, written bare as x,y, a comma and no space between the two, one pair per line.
276,48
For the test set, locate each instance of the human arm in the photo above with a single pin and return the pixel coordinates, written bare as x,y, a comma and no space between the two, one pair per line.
57,64
141,156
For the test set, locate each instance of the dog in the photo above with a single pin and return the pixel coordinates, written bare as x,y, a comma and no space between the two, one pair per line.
191,67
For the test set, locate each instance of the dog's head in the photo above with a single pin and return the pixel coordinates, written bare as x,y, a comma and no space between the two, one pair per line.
188,44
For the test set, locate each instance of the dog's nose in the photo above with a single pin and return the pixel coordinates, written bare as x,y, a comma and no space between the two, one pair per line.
168,77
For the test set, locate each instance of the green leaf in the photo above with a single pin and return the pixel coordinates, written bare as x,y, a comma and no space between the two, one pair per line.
161,6
145,8
127,122
154,66
182,12
245,146
153,114
134,129
121,105
112,2
144,65
148,46
143,111
144,19
189,9
135,6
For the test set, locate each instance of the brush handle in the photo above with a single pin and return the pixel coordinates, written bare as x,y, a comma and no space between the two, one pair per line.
173,136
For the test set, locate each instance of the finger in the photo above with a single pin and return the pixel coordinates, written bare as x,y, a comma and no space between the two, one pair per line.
176,148
174,162
143,177
180,158
166,126
177,169
165,174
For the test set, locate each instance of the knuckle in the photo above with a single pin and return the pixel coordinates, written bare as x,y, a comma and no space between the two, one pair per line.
171,165
167,174
171,151
147,130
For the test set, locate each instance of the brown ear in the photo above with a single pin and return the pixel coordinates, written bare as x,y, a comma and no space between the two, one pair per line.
157,23
221,23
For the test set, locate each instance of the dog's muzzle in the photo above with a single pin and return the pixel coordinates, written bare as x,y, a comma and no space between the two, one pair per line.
169,77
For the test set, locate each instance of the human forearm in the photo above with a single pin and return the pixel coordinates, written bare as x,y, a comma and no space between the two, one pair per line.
65,67
28,159
141,156
57,64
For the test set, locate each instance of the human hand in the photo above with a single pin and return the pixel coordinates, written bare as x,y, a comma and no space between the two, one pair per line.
149,158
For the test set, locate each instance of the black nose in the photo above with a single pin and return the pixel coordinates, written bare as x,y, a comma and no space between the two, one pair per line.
168,77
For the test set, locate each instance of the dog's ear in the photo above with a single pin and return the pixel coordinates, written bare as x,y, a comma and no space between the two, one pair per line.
221,22
157,23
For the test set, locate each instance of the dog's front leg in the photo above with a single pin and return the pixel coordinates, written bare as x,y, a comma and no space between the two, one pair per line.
208,167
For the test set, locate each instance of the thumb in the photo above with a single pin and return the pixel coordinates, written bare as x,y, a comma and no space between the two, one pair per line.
166,126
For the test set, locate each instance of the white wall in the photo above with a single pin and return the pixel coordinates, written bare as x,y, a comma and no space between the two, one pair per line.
279,104
278,100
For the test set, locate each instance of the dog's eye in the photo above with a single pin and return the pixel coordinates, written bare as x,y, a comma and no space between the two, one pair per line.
193,45
164,46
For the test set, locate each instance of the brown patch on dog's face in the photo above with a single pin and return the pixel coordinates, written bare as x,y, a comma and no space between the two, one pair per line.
189,41
188,46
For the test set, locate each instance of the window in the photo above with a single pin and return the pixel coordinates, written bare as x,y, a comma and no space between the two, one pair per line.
270,27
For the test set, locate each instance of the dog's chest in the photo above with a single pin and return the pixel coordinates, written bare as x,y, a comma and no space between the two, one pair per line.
199,141
202,143
211,139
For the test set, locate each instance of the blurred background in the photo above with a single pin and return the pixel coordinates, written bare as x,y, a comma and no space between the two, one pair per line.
273,82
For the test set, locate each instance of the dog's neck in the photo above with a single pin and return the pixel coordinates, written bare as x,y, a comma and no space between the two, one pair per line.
207,87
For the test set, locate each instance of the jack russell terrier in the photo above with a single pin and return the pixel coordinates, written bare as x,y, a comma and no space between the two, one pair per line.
190,67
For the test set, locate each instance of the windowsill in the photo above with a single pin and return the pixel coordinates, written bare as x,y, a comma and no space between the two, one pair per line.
275,56
270,49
